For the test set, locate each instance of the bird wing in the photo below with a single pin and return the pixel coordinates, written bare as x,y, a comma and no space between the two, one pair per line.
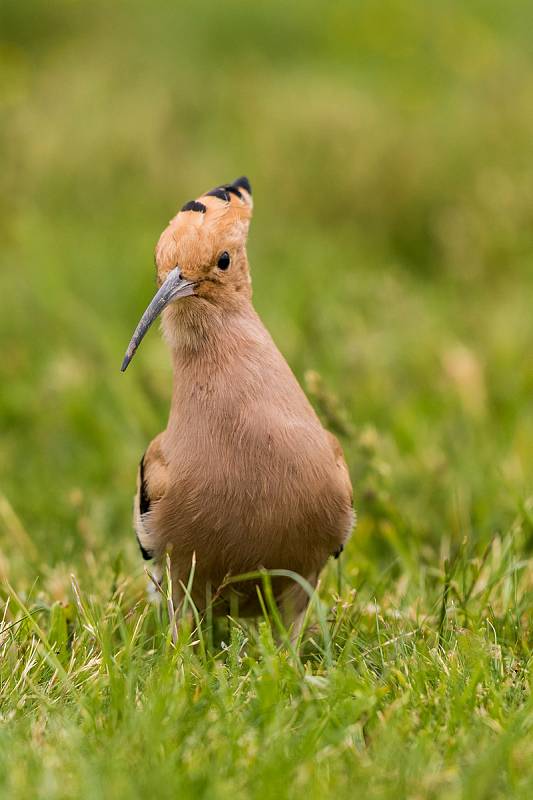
152,477
342,466
341,463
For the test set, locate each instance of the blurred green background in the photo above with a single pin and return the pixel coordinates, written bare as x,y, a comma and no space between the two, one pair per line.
389,147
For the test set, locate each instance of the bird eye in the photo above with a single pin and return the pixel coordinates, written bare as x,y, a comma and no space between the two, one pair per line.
223,260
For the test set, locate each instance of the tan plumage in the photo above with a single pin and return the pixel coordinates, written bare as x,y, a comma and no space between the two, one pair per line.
244,475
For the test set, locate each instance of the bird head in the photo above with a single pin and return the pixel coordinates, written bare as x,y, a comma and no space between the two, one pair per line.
201,255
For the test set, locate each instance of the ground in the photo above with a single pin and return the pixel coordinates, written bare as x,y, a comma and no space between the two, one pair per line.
390,158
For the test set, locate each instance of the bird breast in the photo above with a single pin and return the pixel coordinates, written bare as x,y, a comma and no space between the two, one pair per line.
252,476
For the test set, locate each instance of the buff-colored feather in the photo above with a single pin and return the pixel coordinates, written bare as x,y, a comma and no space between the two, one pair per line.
244,476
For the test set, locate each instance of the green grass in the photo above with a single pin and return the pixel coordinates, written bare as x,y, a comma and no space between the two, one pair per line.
389,152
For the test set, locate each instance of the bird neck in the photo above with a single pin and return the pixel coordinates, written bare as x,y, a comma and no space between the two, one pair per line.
202,333
219,359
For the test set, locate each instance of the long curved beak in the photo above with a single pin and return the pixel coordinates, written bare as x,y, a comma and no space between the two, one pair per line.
173,287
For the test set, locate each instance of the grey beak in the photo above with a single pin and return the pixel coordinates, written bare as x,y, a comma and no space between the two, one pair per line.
174,286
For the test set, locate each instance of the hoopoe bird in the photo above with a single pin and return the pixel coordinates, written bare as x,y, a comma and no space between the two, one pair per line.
244,477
